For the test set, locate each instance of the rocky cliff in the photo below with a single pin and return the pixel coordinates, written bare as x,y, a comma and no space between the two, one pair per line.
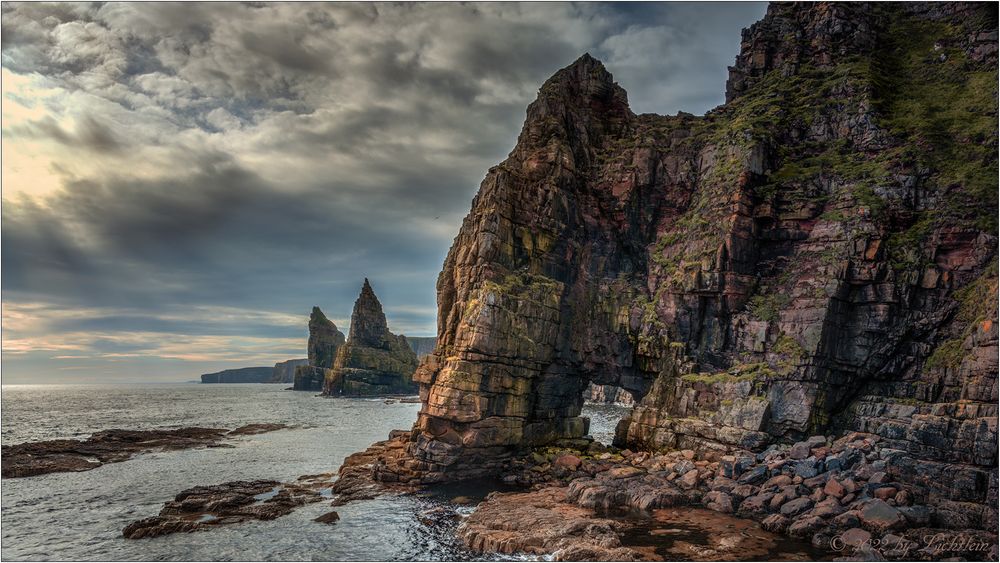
284,372
608,394
818,254
374,361
240,375
324,343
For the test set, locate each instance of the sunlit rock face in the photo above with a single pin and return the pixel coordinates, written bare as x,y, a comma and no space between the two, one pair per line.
608,394
816,255
373,361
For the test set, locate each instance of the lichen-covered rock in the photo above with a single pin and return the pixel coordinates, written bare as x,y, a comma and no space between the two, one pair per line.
373,361
819,253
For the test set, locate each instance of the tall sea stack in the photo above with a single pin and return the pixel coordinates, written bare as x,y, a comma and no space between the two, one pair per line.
374,361
324,343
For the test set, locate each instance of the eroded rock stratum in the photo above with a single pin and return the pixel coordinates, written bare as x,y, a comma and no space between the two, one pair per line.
816,255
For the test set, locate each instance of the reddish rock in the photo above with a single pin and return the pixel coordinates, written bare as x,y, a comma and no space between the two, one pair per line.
776,523
884,493
568,461
878,517
855,537
834,489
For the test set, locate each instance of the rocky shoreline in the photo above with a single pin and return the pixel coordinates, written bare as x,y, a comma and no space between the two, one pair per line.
835,494
837,498
113,446
841,496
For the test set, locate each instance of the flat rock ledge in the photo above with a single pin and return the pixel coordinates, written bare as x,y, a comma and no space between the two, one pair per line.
112,446
205,507
541,523
202,508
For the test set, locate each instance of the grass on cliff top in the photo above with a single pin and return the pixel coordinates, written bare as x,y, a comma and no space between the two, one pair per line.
945,113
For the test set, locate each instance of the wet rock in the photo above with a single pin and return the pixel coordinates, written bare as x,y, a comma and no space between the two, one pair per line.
111,446
719,502
200,508
542,523
776,523
328,518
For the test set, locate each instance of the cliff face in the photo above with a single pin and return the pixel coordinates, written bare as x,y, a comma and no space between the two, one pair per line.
817,254
325,340
374,361
239,375
608,394
284,372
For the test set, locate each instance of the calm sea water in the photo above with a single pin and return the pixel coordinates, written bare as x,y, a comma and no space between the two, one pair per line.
80,515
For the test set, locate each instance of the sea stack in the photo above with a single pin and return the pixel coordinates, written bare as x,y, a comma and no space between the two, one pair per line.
324,342
374,361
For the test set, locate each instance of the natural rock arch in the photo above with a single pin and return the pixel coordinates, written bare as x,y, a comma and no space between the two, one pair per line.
664,255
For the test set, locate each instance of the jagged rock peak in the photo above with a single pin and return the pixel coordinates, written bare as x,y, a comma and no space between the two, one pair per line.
585,83
368,325
317,316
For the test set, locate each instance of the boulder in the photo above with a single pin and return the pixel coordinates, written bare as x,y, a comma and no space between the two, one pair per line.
879,517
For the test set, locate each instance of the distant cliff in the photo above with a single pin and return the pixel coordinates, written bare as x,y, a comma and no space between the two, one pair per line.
421,345
240,375
284,372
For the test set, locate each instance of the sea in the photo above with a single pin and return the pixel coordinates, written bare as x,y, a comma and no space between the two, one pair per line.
79,516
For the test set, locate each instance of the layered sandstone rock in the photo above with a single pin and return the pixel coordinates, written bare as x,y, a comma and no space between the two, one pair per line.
817,253
608,394
324,343
374,361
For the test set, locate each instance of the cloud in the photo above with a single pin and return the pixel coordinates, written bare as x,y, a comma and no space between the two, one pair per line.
161,161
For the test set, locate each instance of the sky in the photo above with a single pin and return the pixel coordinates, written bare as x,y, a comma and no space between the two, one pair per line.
182,183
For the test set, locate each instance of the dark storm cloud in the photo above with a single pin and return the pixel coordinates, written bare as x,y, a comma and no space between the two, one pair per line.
219,168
